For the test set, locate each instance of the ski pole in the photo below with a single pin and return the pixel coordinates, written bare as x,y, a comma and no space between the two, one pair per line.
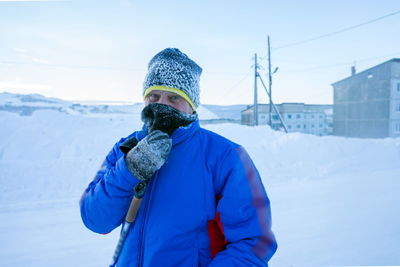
139,189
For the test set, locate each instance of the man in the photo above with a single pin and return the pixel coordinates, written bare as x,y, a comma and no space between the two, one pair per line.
204,202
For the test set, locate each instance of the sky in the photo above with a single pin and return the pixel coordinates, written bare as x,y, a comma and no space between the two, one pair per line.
99,50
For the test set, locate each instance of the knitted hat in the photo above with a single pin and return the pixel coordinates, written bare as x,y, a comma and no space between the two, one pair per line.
173,71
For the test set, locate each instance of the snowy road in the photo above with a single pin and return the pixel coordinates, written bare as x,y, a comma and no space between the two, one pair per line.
337,221
51,234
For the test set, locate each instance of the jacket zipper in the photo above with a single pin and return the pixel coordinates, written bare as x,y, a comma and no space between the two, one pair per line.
143,223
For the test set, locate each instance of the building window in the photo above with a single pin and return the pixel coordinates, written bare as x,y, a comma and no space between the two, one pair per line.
320,126
262,116
312,125
320,116
289,126
305,126
312,116
397,128
275,117
298,126
398,107
398,87
289,116
298,116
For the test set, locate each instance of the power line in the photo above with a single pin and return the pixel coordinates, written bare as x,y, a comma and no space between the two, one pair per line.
337,32
228,91
338,64
100,67
63,66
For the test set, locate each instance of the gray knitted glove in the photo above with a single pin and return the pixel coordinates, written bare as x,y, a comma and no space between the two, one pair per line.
148,155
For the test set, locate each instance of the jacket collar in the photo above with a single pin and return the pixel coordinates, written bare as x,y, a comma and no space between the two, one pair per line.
178,136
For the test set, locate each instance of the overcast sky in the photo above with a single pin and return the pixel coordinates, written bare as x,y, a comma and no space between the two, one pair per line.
99,50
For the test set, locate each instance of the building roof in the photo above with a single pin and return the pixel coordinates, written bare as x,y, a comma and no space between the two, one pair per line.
397,60
293,107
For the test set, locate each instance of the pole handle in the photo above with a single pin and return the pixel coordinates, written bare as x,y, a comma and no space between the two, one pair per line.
139,190
133,209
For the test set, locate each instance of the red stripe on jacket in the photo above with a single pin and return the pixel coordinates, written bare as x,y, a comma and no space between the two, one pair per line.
218,241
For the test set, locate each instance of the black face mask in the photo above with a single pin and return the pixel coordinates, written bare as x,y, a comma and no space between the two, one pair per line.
165,118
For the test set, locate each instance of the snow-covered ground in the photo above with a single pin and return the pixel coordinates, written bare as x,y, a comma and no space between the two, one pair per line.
26,105
335,201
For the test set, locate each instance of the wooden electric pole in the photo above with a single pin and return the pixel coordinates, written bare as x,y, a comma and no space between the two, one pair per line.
255,108
268,90
270,83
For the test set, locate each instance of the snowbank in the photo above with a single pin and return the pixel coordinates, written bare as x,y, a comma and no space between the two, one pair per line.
334,200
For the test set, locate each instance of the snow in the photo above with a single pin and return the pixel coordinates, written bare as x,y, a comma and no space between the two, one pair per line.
32,99
26,105
206,114
335,201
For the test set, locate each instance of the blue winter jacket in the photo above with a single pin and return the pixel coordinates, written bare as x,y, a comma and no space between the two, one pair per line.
206,206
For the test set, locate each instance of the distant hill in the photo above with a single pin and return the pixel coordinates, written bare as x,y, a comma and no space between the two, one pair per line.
27,104
232,112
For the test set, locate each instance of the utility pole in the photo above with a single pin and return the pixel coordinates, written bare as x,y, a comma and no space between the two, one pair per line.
276,109
270,83
268,90
255,107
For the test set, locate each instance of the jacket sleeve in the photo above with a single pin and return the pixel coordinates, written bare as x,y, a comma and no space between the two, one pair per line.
106,200
245,214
